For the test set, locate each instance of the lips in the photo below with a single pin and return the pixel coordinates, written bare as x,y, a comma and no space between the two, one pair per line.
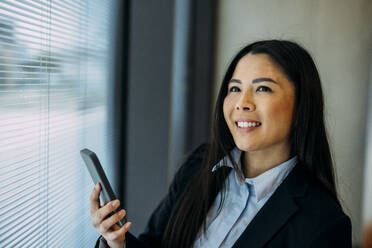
247,125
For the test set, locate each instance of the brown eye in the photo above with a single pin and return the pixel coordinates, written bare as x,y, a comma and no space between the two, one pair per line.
234,89
264,89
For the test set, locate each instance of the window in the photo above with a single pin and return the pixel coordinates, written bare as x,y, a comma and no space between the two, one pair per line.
55,88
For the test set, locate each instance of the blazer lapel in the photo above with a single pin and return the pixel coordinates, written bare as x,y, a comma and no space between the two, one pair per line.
275,213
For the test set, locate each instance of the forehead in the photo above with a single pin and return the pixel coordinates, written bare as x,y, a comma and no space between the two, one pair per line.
251,66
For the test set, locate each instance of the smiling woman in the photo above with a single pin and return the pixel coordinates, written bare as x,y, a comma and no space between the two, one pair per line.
259,92
266,179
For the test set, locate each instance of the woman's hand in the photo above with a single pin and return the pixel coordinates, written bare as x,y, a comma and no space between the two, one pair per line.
114,235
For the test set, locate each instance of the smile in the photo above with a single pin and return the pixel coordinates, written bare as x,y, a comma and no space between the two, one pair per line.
245,124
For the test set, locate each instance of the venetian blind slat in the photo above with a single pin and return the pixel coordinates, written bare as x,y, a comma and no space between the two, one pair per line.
55,65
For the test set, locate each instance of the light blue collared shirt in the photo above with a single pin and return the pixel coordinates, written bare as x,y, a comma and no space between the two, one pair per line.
243,199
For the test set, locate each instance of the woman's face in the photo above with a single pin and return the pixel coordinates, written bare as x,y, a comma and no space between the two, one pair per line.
259,105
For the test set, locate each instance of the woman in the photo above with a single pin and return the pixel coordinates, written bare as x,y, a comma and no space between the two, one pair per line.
265,180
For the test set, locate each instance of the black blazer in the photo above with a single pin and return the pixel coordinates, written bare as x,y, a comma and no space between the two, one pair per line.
300,213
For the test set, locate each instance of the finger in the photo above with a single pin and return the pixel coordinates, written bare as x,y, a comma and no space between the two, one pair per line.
119,235
109,223
102,212
116,227
94,199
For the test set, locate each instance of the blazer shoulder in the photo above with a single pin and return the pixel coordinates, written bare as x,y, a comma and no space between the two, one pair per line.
157,223
191,163
321,202
311,195
319,216
318,208
332,224
195,155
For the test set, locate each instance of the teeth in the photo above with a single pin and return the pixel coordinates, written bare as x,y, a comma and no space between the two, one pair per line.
244,124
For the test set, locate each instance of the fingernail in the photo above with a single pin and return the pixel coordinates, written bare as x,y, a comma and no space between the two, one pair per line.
121,213
115,203
97,186
129,224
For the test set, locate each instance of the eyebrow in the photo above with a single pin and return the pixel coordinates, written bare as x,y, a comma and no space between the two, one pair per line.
256,80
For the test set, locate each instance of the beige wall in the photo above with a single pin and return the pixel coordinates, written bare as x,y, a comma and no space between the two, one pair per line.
367,189
339,36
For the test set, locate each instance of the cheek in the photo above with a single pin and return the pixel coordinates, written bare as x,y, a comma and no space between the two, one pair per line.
281,113
226,111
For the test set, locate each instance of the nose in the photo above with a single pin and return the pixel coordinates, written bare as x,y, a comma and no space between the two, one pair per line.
246,103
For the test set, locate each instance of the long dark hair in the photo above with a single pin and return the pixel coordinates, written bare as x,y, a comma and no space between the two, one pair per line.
307,136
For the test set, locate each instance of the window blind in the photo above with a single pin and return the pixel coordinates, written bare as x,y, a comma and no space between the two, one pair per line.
55,67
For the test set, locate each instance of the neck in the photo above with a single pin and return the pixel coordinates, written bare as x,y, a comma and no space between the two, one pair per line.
254,163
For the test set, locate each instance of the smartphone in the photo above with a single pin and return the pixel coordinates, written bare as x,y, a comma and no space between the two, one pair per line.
98,176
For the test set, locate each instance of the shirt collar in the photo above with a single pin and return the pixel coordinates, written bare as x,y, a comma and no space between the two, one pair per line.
263,184
235,153
270,180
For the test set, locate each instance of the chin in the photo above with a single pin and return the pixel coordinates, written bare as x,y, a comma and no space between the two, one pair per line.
246,147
